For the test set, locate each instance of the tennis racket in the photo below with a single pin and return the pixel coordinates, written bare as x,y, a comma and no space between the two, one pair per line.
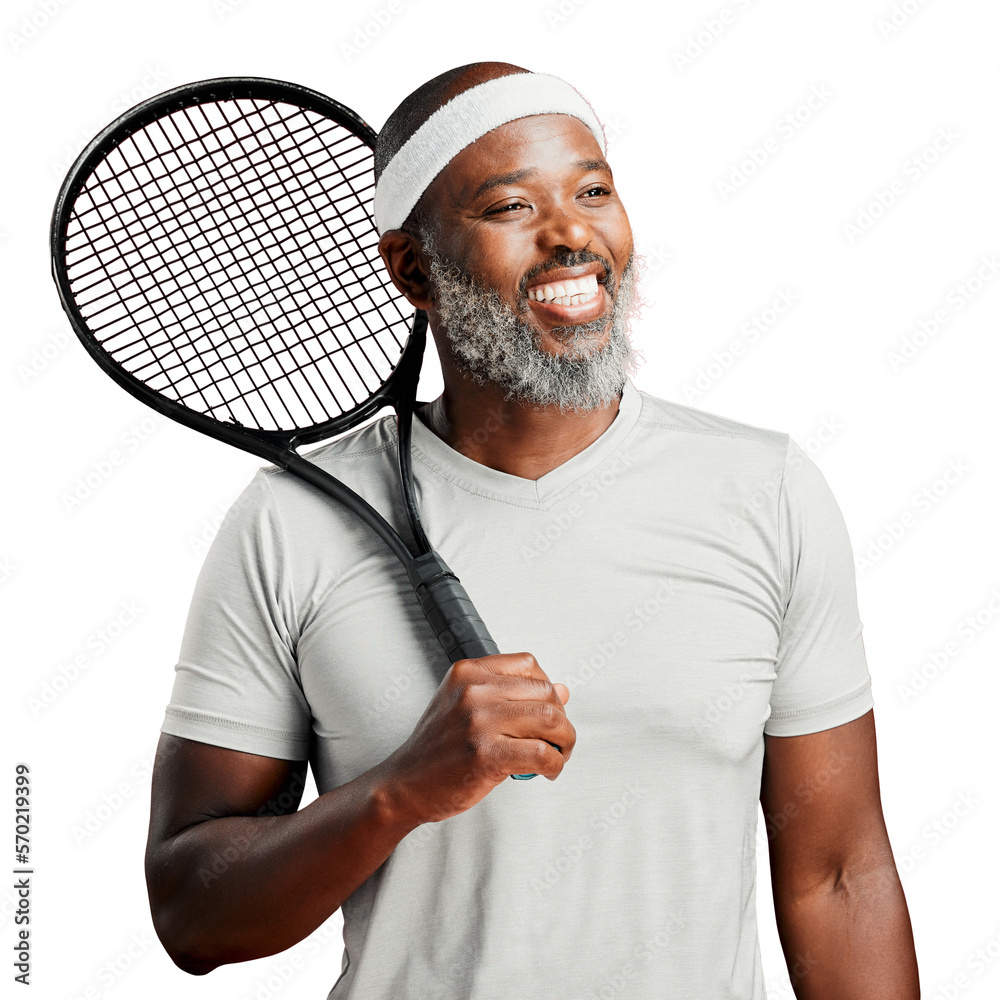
216,253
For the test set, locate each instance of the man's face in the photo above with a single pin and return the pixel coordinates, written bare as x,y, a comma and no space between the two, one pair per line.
531,263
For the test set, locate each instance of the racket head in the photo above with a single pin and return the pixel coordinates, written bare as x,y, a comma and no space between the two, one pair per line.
216,252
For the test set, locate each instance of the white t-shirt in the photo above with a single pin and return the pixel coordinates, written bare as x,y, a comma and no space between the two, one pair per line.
689,578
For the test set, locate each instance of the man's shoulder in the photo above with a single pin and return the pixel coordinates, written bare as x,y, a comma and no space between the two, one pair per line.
358,459
664,414
361,446
357,449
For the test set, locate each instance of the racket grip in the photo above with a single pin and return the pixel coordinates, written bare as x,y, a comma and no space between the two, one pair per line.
449,609
451,613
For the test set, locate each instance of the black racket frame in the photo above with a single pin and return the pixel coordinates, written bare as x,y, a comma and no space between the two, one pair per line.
447,606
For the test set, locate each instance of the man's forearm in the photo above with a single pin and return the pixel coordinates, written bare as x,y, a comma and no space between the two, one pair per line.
850,939
242,887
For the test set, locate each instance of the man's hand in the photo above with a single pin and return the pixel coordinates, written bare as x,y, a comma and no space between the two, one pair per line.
490,717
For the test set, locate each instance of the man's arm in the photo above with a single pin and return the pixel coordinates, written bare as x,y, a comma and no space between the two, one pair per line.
840,910
234,872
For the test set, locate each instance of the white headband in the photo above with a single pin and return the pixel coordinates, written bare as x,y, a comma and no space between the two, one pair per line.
459,123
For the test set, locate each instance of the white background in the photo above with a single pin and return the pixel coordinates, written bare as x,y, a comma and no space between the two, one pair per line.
910,451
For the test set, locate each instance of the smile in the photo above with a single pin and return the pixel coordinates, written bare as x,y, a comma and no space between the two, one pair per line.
576,291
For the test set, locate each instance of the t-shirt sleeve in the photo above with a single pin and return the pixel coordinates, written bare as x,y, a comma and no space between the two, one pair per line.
822,672
237,683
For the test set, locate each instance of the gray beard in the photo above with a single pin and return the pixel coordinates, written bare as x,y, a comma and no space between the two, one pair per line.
492,344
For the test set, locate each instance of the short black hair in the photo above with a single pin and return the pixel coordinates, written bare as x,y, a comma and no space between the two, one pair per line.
415,109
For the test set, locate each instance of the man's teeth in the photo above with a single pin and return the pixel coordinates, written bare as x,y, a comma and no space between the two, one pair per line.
566,293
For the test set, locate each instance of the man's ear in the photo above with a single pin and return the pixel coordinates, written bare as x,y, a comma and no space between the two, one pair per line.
407,264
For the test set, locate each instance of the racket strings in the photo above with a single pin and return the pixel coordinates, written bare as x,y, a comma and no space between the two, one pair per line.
233,300
226,256
140,247
272,257
177,143
167,313
269,298
242,202
361,314
237,261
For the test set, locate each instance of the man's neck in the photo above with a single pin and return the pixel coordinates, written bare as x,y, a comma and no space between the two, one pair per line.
520,439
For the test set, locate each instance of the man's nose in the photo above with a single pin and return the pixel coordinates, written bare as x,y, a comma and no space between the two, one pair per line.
563,226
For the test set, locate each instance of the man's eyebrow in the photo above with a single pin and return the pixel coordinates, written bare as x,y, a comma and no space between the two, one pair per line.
515,176
587,165
499,180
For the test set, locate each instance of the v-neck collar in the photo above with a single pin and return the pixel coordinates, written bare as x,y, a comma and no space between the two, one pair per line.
432,452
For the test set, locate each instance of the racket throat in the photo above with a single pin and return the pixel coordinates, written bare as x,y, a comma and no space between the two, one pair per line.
408,375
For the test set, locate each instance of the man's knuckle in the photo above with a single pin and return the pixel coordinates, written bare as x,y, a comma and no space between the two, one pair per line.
549,715
467,698
476,720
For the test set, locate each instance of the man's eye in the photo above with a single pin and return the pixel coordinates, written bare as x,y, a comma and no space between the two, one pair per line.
510,206
596,191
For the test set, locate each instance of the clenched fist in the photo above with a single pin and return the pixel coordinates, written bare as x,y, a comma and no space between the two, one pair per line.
489,718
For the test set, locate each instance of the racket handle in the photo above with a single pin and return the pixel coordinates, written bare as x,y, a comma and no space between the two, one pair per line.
452,614
449,609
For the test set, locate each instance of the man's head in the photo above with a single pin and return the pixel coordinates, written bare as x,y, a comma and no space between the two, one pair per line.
514,241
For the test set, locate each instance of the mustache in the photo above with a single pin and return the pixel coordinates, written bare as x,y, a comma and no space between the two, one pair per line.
566,258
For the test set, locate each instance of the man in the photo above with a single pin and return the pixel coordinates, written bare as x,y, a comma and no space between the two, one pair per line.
686,579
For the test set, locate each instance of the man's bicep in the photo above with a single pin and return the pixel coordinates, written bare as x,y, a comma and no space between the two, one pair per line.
194,782
822,806
237,682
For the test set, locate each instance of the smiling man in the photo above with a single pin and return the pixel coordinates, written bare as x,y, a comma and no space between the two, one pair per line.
684,586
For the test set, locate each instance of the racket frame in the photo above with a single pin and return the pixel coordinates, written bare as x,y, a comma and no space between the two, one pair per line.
277,447
444,601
